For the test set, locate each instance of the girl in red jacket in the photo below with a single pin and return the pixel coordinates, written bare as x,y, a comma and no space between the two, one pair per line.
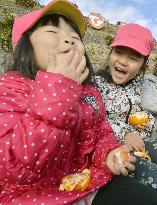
52,119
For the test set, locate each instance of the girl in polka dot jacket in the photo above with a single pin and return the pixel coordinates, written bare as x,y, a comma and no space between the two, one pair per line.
52,120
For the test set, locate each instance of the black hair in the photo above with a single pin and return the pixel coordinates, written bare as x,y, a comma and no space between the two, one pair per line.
24,57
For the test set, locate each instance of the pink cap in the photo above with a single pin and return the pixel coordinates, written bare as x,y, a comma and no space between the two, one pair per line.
64,7
136,37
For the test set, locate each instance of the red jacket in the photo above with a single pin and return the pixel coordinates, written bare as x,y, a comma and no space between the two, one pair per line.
50,127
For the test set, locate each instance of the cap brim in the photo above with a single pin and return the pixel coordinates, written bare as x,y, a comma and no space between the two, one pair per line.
133,44
67,9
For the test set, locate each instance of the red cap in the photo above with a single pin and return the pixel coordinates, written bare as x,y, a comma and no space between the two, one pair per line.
136,37
63,7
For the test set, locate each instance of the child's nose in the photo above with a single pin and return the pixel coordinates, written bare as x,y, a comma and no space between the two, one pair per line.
69,41
123,60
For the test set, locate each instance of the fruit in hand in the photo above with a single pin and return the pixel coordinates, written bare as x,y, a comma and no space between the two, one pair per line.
143,154
138,118
119,158
77,182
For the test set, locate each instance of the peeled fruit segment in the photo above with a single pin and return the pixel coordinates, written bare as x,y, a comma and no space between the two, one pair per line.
68,183
85,180
138,118
77,182
120,157
143,154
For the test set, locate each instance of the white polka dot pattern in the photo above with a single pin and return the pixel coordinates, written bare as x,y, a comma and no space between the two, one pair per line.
44,126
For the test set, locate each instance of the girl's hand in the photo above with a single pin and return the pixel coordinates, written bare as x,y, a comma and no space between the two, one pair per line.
71,65
142,127
134,142
123,168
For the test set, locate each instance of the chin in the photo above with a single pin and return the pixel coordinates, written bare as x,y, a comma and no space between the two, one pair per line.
119,81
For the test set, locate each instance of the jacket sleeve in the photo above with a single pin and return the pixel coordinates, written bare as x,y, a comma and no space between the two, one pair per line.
54,99
97,138
33,116
106,140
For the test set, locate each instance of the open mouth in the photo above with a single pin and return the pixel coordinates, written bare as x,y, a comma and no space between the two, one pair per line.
120,71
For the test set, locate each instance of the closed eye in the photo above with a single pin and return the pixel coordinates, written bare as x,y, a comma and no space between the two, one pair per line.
117,51
75,37
52,31
135,59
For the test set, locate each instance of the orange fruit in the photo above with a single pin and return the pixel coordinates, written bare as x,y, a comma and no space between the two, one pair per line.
85,179
138,118
77,182
143,154
68,183
120,157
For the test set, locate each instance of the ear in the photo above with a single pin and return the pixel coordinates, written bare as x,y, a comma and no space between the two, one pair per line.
146,62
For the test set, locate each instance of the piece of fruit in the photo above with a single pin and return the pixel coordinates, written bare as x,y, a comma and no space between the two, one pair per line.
138,118
143,154
85,180
68,183
120,157
77,182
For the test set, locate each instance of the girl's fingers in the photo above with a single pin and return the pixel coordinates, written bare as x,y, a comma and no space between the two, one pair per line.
140,127
82,65
146,125
129,147
123,171
126,147
69,57
142,145
136,147
132,159
116,169
125,168
76,60
132,146
129,166
84,75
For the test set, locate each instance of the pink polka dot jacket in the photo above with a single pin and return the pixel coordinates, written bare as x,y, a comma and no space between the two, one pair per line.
50,127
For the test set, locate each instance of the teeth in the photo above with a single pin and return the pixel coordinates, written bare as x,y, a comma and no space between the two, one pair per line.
120,69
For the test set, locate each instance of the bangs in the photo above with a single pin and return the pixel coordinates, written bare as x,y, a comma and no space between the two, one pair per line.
53,19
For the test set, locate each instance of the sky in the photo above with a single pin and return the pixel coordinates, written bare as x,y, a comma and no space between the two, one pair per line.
143,12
